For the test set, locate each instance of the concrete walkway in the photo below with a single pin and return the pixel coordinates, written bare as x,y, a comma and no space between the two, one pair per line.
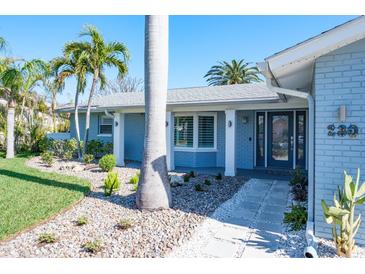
248,225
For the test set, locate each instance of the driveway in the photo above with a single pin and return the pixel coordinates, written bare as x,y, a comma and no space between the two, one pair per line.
248,225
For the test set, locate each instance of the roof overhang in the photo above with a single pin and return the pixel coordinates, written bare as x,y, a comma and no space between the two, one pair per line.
292,68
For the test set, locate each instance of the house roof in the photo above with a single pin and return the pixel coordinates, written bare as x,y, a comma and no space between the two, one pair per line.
242,93
293,67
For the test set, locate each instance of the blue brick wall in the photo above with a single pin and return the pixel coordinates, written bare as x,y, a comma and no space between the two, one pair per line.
339,80
134,136
94,123
221,139
195,159
245,140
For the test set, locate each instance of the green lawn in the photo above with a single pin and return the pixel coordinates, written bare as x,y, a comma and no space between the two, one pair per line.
29,196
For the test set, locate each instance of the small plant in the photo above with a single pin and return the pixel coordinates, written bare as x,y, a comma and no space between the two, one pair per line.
92,246
207,182
47,158
198,187
300,192
68,155
135,179
192,174
219,176
47,238
88,158
111,183
107,162
186,178
135,187
125,224
83,220
296,218
71,146
343,212
298,178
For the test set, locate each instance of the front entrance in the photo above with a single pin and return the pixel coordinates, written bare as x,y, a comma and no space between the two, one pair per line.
281,139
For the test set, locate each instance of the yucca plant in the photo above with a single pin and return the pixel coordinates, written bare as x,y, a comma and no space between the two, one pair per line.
341,214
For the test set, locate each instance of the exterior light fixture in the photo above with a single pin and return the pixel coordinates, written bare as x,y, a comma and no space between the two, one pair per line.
167,123
229,123
116,123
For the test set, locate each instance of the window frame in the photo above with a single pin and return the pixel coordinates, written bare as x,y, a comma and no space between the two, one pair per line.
101,124
195,147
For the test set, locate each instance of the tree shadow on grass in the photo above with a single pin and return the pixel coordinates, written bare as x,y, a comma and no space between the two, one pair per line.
43,181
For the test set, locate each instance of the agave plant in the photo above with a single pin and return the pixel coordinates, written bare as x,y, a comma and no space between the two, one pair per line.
341,214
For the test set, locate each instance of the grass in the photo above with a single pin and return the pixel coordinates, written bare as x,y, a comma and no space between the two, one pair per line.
29,196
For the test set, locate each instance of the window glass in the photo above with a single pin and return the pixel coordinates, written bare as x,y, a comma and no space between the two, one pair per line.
206,132
106,125
183,131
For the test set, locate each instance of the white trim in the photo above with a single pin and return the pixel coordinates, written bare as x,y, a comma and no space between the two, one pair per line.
104,135
230,158
195,147
118,139
294,138
266,146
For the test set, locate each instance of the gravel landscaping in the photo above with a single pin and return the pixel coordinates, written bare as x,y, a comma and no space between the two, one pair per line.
152,234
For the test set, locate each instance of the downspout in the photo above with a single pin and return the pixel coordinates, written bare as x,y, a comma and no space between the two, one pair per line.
310,250
107,113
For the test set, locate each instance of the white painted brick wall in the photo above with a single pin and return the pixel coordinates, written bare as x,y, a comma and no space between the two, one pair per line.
339,80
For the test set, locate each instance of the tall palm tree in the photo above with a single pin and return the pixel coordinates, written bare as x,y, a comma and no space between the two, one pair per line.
99,55
154,188
73,65
14,80
235,72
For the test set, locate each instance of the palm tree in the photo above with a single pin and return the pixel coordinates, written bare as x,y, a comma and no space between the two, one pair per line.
99,55
236,72
154,188
73,65
14,80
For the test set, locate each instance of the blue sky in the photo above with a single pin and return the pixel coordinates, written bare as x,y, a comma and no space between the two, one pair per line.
196,42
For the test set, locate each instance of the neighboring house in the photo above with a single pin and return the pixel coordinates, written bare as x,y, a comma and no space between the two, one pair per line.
294,120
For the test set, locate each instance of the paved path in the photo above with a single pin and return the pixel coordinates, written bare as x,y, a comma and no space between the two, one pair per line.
248,225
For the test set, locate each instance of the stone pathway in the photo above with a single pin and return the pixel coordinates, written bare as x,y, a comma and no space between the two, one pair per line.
248,225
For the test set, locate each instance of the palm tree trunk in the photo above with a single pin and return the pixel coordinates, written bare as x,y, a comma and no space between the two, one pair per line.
87,122
154,188
53,109
10,130
77,127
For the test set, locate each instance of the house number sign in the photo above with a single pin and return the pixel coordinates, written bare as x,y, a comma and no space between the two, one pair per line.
343,130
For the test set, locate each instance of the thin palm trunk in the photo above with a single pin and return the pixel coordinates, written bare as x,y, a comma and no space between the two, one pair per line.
154,188
53,109
10,130
87,122
77,127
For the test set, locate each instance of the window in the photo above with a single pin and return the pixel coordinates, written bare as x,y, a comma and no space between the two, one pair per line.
260,139
183,135
106,125
195,131
206,131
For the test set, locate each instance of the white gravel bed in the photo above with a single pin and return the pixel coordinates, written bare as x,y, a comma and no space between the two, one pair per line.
153,234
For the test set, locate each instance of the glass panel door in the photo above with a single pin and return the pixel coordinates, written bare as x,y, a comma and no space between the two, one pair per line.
280,139
300,138
260,139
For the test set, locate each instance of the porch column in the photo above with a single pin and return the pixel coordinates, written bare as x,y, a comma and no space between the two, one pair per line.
170,141
118,138
230,161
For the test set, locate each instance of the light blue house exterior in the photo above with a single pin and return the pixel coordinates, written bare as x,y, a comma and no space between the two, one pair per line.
309,113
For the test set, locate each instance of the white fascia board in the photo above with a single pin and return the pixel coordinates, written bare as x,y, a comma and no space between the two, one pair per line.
306,52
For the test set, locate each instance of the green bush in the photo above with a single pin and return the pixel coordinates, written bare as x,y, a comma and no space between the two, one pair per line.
207,182
71,145
44,144
111,183
198,187
298,178
68,155
219,176
88,158
47,158
47,238
94,147
135,179
107,148
92,246
296,218
125,224
107,162
186,177
192,174
82,220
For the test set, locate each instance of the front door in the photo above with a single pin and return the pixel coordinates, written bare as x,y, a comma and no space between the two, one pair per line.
280,139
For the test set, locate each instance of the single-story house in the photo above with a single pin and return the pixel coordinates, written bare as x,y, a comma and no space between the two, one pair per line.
309,113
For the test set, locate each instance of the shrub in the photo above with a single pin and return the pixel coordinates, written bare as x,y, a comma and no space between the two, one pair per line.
58,147
47,238
296,218
71,145
198,187
47,158
125,224
111,183
92,246
192,174
207,182
300,192
135,187
186,178
219,176
88,158
135,179
68,155
298,178
107,162
107,148
341,214
44,144
83,220
94,147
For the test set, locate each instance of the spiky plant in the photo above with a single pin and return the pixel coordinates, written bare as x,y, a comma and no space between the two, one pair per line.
341,214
